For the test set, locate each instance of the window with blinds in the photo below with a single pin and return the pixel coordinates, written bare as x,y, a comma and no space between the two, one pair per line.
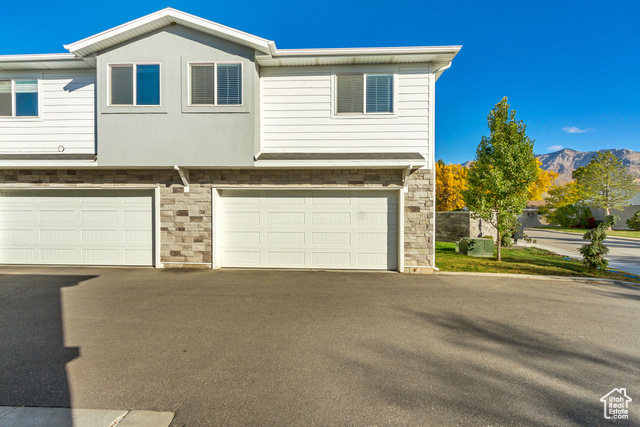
203,84
379,93
364,93
350,93
19,98
134,84
6,103
215,84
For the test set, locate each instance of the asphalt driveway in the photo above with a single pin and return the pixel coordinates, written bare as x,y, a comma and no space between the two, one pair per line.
326,348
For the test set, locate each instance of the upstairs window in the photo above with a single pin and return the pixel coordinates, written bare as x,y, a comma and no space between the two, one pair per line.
19,98
135,84
364,93
215,84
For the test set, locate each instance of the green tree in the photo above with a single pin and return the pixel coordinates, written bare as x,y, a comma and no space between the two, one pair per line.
593,253
503,171
605,183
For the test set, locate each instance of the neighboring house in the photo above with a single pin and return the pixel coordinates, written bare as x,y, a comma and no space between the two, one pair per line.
624,214
530,217
175,141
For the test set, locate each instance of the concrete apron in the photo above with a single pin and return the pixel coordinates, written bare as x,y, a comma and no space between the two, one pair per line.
59,417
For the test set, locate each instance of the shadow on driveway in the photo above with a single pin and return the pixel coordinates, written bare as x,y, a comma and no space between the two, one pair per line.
495,372
32,351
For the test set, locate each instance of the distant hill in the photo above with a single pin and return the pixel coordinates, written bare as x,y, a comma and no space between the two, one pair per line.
564,162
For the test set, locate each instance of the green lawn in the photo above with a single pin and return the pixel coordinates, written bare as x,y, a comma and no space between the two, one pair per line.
519,261
621,233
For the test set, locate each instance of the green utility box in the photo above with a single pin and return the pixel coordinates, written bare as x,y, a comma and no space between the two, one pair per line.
475,247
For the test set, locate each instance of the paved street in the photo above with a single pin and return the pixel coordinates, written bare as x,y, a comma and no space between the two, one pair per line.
624,254
251,347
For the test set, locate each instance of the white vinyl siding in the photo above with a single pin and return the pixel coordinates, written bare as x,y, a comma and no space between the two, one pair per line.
76,227
297,113
337,229
66,118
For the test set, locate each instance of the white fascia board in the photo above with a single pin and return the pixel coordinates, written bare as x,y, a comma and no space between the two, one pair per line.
311,164
83,47
369,51
44,61
384,55
38,57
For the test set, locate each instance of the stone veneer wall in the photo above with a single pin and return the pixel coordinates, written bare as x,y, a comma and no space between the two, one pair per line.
419,244
185,218
453,226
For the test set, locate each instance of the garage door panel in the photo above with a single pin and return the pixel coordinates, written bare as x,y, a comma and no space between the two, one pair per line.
331,259
100,256
14,235
103,227
242,237
60,236
139,215
96,236
309,229
241,258
289,218
286,258
17,255
58,255
285,238
138,236
137,256
238,217
331,238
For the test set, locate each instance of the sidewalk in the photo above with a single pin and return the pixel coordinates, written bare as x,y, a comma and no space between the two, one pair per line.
61,417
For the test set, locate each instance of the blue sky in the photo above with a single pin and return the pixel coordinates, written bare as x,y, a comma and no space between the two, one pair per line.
569,68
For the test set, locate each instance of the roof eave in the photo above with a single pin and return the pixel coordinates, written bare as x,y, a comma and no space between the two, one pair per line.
88,45
440,56
407,50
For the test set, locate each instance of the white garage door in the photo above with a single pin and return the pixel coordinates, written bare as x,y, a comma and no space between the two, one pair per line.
92,227
310,229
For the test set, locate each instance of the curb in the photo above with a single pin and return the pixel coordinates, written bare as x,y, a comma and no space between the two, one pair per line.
538,277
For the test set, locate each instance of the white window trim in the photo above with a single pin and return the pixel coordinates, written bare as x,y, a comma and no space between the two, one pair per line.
334,94
215,83
13,116
135,83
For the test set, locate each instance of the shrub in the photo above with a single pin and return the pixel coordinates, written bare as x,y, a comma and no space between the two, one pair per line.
634,222
573,216
593,253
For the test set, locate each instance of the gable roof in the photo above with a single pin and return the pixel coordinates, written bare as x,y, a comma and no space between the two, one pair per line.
439,56
159,19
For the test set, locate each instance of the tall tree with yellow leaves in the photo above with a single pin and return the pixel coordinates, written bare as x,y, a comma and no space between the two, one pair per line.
542,184
451,180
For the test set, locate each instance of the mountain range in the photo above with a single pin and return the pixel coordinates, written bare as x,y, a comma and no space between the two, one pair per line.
565,161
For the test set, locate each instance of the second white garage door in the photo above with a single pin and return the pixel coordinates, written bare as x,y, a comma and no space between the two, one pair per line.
309,229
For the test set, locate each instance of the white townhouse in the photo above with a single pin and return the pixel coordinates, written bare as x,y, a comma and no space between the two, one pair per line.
174,141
